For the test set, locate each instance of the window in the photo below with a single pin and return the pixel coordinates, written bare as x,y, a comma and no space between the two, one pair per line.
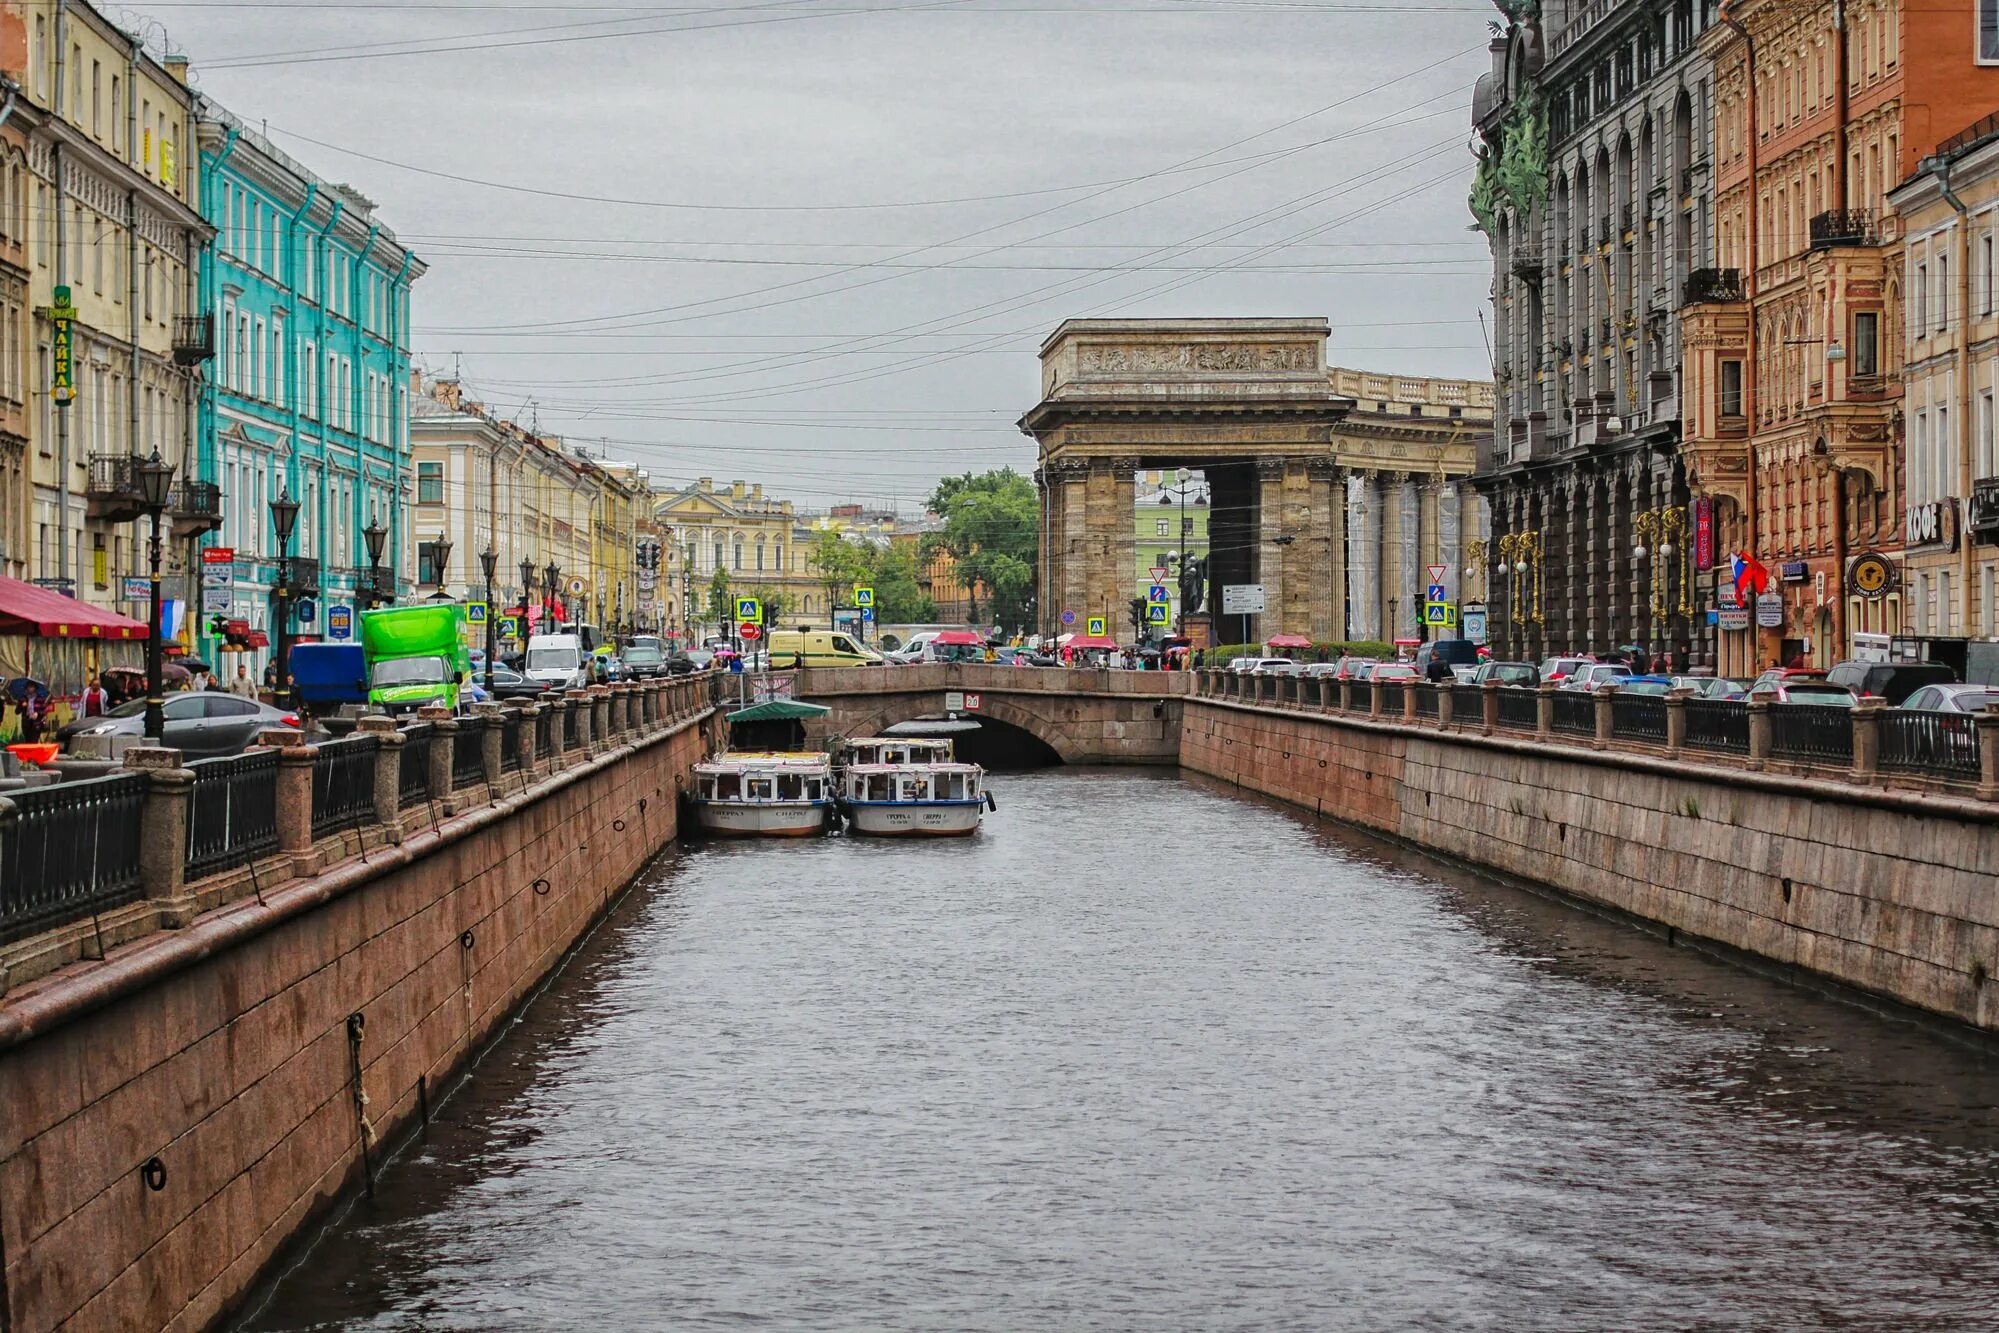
1985,274
1987,446
1160,528
1945,455
1988,32
739,555
1943,293
1867,343
1920,303
1731,388
430,483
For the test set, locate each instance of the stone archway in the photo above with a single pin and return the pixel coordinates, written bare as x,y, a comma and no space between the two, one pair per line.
858,716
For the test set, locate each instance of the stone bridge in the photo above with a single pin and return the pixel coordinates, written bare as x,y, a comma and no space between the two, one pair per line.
1083,716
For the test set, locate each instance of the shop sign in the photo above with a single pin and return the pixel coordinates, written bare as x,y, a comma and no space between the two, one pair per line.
1703,533
1793,571
1770,610
1871,575
1931,524
1732,617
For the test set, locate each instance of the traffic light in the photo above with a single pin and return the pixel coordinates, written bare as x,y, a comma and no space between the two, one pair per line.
1138,615
218,626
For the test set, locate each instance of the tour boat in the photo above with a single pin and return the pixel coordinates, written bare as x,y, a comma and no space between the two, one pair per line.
764,795
922,799
894,750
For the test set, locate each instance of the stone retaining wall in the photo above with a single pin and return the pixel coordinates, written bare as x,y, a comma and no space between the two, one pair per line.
174,1114
1892,893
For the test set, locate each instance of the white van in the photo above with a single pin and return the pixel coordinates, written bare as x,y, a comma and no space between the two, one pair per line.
914,649
559,661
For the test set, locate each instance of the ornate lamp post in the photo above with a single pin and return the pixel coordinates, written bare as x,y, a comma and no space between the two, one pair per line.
551,576
489,561
527,596
155,481
376,536
1664,528
440,558
284,514
1520,553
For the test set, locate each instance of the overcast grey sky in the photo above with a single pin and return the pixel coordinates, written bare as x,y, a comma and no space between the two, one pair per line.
892,201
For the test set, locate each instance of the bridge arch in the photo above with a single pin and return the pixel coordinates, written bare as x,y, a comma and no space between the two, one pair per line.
861,715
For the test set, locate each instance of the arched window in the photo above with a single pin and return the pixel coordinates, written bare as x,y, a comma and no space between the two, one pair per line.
739,553
718,553
760,554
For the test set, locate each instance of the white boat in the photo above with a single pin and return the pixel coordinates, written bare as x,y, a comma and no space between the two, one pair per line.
894,750
772,794
934,800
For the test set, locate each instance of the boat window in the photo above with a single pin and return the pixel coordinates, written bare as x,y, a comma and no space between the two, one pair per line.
790,787
759,789
812,789
727,786
707,789
878,788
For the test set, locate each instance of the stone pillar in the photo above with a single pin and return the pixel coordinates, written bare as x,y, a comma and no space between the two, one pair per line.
1374,699
1346,696
295,763
579,717
1446,704
1271,554
388,773
531,724
1676,720
1409,701
1325,694
1606,715
1328,583
1987,723
556,719
1074,487
1759,728
1544,711
1488,707
1867,738
600,717
163,833
443,736
487,723
1364,556
1411,573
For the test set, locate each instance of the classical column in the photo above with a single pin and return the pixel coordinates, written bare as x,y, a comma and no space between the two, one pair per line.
1047,540
1272,552
1634,488
1328,581
1123,572
1411,577
1364,555
1073,479
1451,540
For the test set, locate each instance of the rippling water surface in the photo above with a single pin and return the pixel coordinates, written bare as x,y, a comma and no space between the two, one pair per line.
1149,1055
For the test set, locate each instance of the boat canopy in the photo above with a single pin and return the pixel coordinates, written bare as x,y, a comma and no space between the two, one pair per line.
779,710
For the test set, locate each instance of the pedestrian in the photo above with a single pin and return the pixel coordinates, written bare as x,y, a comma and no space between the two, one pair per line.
242,686
1200,658
32,716
271,674
96,700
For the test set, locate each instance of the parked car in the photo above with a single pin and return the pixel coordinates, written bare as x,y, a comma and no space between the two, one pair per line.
201,725
1893,681
511,684
1807,689
1589,675
1392,671
1954,697
645,657
1776,676
1725,688
1559,669
1277,666
1350,667
1653,685
1323,671
1698,684
1507,673
1453,652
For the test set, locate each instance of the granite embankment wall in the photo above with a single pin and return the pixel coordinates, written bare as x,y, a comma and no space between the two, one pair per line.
172,1115
1892,893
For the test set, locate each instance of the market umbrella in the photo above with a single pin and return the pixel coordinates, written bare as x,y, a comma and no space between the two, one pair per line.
959,638
21,686
1289,641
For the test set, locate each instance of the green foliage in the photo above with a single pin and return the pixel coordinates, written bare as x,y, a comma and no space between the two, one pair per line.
891,571
1228,652
721,599
992,523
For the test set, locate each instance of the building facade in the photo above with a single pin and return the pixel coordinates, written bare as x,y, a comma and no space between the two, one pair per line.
736,535
112,223
308,394
1170,533
1591,187
1949,213
1797,339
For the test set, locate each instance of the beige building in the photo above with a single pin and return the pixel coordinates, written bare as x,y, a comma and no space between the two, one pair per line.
109,193
759,544
482,481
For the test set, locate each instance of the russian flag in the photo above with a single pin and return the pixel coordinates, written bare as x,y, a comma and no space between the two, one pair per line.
1749,573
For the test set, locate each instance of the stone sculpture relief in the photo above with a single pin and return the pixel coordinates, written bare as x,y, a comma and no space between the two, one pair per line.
1194,357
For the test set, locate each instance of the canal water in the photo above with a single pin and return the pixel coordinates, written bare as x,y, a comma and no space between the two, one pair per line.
1148,1054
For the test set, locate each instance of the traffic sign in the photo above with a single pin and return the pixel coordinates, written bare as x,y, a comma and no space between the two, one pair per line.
1438,573
306,609
1438,594
510,627
749,610
1068,617
1158,613
864,597
749,631
1099,627
339,622
867,614
1442,615
475,613
1159,573
1156,594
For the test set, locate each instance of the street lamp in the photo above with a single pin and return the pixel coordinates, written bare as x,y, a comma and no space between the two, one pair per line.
440,558
489,561
376,536
155,480
551,575
527,592
284,514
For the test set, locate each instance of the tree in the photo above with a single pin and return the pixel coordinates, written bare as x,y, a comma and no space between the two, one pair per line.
992,525
721,601
843,565
840,565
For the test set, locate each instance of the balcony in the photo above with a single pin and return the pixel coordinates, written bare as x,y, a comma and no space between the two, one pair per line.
194,339
1844,226
112,493
1710,286
196,507
300,574
1983,520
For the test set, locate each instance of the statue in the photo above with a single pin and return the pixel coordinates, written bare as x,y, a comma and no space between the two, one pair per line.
1523,151
1485,188
1193,586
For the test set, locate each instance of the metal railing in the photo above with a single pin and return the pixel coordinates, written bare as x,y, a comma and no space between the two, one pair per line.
1718,724
1811,731
544,734
1706,285
1519,706
413,775
1575,712
1638,717
1925,742
468,755
510,741
71,849
232,812
343,784
1391,698
1426,699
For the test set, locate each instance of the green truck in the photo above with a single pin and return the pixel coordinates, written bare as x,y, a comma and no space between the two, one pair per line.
416,655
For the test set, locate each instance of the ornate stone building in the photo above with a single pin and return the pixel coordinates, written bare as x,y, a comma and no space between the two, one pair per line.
1332,491
1592,189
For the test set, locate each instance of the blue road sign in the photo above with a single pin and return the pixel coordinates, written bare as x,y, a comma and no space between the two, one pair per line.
1158,613
1068,617
1437,594
1157,594
307,610
339,622
867,613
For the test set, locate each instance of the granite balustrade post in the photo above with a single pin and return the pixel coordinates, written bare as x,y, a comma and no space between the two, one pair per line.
1346,695
163,816
295,765
1606,715
1866,722
1446,703
1326,694
600,717
1760,737
1544,711
557,722
531,725
1409,701
579,719
1676,720
1374,698
488,724
443,736
1987,723
389,742
1489,700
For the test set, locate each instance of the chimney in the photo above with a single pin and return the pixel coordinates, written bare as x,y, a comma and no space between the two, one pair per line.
176,66
707,483
736,489
757,491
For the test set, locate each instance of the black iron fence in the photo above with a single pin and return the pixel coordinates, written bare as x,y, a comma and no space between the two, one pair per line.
1718,724
1640,717
1391,698
1519,707
1575,712
1811,731
232,812
343,784
413,775
1426,699
71,849
510,741
468,754
1923,742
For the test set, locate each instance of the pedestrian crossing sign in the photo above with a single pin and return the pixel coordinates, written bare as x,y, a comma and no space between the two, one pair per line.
1099,627
475,613
1158,613
1440,615
864,597
749,610
510,627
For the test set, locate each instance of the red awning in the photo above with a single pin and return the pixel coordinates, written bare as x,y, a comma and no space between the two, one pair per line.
1290,641
45,614
1087,642
959,638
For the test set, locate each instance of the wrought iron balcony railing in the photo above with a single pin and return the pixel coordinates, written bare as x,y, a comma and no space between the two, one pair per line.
1844,226
1710,285
194,339
301,575
196,507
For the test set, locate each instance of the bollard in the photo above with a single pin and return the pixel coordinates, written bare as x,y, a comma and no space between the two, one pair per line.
295,764
1544,710
579,719
488,722
1446,703
1866,722
1489,701
443,735
530,727
389,741
1676,719
1987,723
1759,728
1374,698
163,833
1606,715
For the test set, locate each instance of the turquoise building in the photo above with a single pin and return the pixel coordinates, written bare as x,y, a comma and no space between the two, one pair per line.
308,394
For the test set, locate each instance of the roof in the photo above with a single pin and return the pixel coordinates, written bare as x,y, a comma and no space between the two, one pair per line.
779,710
34,612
